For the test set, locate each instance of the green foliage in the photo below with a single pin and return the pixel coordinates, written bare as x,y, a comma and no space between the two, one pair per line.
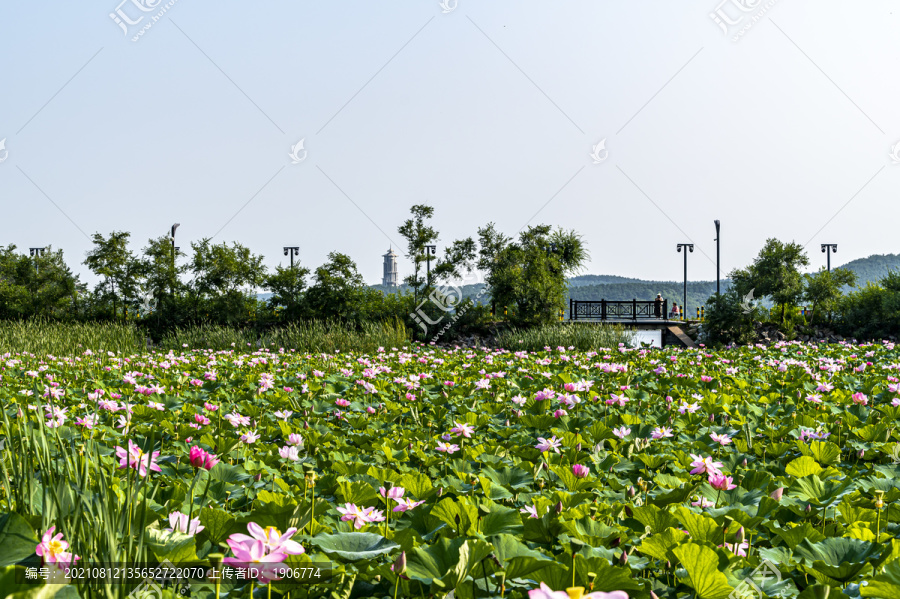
528,276
581,336
121,271
726,320
872,312
775,273
823,292
38,286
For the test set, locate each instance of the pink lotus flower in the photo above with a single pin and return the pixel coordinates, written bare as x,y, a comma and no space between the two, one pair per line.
738,548
720,482
351,511
530,510
87,422
463,430
201,419
394,493
53,549
559,413
860,398
580,471
705,378
405,504
545,592
702,502
621,432
661,432
545,445
294,439
250,437
619,400
290,452
201,458
271,538
283,415
210,406
341,402
135,458
254,555
705,465
720,439
447,447
180,523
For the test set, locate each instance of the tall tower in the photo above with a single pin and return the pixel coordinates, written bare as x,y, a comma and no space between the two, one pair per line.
390,279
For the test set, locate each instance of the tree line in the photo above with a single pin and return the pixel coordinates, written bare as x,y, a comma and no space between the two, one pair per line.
161,288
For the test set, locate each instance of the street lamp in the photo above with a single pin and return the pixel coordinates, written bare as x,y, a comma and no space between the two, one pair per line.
36,252
690,248
430,250
174,250
717,257
292,251
828,249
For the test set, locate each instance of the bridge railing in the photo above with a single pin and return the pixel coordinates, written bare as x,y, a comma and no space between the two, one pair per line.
618,310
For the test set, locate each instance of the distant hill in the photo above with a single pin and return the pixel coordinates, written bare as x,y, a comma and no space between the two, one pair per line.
873,268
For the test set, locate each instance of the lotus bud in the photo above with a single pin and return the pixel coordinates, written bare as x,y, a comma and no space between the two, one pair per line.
507,423
631,492
400,563
559,507
777,493
628,511
306,425
623,559
258,477
712,418
739,536
861,454
616,542
808,508
745,462
440,491
578,447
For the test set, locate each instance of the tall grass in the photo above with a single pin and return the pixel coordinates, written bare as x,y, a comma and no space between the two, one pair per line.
41,337
66,339
307,336
581,336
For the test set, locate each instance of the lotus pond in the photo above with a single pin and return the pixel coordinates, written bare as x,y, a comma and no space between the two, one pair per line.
422,472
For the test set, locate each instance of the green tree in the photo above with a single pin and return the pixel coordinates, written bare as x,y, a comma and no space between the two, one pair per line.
161,272
728,319
528,276
824,290
41,286
337,291
225,279
120,269
418,234
775,273
286,285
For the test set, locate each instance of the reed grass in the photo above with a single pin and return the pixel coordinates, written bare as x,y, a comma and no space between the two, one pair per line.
581,337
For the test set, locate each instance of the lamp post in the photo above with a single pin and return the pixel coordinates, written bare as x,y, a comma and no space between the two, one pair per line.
717,257
292,251
174,250
828,249
36,252
690,248
430,250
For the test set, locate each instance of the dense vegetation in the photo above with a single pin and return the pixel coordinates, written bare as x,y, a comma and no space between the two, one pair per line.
755,471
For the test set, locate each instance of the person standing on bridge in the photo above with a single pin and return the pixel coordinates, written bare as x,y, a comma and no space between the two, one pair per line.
658,305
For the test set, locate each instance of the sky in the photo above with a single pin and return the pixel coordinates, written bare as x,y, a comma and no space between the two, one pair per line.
636,123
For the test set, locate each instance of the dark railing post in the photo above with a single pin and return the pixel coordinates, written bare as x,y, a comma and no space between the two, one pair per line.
571,311
634,309
602,309
665,312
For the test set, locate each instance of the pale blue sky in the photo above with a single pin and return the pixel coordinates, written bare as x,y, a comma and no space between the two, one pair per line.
488,112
